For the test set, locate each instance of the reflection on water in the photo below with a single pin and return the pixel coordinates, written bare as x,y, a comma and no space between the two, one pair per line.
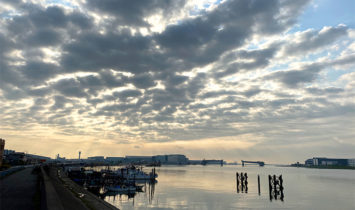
276,189
214,187
242,182
148,190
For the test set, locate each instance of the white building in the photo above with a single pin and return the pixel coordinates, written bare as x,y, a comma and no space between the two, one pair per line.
351,162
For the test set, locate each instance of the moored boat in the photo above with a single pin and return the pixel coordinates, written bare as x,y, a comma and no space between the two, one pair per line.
133,173
119,188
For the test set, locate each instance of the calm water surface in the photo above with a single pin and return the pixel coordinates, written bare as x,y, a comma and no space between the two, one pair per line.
214,187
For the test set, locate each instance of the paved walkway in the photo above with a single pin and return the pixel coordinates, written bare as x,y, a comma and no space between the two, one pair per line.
67,198
72,202
17,191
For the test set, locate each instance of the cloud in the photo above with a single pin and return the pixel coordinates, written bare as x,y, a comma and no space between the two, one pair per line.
143,81
329,90
70,88
293,78
39,70
134,13
202,40
311,40
110,70
308,73
255,59
123,95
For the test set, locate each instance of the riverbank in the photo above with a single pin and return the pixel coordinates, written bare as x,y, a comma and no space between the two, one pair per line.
73,196
321,167
331,167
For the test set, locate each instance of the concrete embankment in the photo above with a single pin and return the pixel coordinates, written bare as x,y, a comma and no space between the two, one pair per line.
63,193
10,171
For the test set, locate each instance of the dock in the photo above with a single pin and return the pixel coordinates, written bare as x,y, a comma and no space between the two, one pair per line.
260,163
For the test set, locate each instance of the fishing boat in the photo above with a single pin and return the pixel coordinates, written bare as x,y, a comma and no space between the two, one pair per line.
119,188
133,173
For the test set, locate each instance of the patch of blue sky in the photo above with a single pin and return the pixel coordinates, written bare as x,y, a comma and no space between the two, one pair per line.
207,5
9,14
195,11
320,54
199,11
279,67
322,13
61,2
332,75
255,46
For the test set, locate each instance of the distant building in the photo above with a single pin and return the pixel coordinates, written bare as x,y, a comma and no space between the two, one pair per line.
138,159
175,159
308,162
60,159
17,158
8,151
195,162
351,162
97,158
160,158
2,147
212,162
322,161
114,159
33,159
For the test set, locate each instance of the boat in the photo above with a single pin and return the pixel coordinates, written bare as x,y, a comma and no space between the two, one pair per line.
133,173
121,188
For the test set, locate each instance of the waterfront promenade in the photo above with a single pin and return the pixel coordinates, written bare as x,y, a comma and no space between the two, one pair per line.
52,190
17,191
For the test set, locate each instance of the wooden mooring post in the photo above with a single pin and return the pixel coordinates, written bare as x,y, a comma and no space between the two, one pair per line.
242,182
258,184
276,187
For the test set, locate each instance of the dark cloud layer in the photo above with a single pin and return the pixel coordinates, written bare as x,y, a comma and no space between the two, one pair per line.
134,12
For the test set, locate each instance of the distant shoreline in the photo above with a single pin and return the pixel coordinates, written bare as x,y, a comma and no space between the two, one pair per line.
325,167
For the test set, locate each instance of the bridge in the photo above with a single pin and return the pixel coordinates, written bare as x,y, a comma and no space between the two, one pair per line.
260,163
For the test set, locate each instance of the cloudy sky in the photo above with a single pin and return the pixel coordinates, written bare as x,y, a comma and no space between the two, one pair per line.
263,80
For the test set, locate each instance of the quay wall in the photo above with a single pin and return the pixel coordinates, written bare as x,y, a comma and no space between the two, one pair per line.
78,194
51,199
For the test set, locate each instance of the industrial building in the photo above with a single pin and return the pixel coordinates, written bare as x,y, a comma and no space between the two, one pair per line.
97,158
171,159
351,162
114,160
323,161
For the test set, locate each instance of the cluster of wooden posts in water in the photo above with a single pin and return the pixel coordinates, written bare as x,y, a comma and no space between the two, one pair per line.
275,185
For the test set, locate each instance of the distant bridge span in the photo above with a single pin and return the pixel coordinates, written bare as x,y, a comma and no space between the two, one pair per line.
260,163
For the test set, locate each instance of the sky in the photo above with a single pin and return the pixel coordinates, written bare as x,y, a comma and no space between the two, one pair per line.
254,80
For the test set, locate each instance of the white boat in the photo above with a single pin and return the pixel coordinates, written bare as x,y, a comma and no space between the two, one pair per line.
135,174
119,188
139,175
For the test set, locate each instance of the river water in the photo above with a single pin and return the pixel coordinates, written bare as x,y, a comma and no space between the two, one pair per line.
214,187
